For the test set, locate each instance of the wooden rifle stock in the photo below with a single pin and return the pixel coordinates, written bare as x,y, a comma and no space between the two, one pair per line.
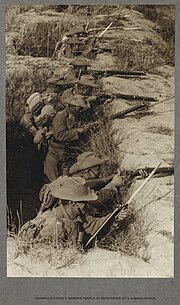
97,184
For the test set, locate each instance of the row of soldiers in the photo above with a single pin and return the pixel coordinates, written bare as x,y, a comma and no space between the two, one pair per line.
75,194
79,42
56,117
76,200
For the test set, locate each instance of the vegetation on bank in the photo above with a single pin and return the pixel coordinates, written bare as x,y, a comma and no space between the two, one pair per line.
148,54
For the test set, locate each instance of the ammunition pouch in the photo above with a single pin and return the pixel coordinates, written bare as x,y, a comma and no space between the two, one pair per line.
73,227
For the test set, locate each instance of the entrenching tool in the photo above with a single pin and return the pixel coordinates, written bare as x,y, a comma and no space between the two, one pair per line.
118,210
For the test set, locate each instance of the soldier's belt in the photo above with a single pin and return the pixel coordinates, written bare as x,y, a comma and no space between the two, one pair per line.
59,142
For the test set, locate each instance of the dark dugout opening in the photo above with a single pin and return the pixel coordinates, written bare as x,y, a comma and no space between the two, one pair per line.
24,176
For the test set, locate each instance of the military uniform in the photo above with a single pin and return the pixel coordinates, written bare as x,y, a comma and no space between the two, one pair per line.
75,223
73,45
34,105
65,135
107,195
68,93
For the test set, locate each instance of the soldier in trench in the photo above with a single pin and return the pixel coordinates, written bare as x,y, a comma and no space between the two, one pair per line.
88,167
72,41
84,87
34,105
78,67
66,81
70,220
66,134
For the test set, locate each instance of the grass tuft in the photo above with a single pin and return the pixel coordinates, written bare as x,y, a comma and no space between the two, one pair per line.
142,55
130,236
55,254
102,144
161,130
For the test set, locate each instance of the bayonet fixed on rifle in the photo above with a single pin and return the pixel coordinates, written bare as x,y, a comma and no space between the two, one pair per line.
118,210
114,28
104,31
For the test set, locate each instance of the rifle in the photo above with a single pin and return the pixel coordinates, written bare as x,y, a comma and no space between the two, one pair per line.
105,73
97,184
136,97
114,28
91,125
160,172
100,98
101,50
118,210
118,115
128,97
121,114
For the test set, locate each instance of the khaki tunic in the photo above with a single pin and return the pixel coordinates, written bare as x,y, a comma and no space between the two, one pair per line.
64,134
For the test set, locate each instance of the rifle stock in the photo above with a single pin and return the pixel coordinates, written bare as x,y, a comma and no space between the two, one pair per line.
97,184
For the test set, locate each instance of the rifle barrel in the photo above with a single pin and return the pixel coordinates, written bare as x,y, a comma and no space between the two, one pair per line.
116,72
136,97
161,170
126,111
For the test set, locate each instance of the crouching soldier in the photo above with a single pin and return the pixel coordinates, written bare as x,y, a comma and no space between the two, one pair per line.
44,133
75,200
34,105
88,166
84,87
65,133
70,220
78,67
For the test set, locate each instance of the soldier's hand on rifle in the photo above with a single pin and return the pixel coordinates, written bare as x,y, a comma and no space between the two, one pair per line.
87,127
44,130
117,179
91,99
142,174
121,215
80,130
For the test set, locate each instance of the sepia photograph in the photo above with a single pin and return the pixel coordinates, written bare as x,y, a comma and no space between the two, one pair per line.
90,99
